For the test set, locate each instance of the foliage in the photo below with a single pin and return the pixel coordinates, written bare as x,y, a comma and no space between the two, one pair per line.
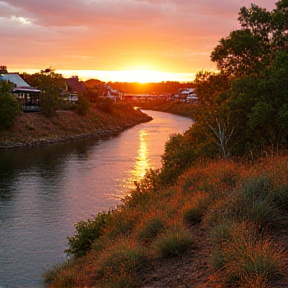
48,104
61,275
226,193
51,85
151,229
86,233
174,241
240,204
82,106
46,80
193,215
258,108
251,48
9,106
121,258
105,104
248,259
178,156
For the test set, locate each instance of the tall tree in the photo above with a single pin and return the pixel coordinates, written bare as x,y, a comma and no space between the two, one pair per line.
251,49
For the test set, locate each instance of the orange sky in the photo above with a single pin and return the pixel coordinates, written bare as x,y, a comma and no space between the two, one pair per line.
171,36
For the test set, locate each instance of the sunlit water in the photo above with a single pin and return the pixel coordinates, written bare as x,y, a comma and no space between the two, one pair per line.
45,191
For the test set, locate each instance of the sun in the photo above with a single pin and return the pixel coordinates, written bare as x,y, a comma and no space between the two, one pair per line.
142,76
137,75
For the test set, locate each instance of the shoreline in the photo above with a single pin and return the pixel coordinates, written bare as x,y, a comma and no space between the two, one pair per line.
35,130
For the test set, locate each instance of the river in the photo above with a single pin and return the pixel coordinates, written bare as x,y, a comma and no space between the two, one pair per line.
45,191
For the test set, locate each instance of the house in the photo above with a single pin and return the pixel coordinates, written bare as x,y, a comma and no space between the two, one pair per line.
27,96
111,93
186,95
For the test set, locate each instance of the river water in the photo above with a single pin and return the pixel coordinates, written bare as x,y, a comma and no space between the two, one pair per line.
45,191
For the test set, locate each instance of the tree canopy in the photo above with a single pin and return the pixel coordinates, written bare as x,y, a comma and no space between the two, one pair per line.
252,48
243,109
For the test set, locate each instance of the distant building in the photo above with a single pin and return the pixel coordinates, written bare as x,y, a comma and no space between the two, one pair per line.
27,96
186,95
111,93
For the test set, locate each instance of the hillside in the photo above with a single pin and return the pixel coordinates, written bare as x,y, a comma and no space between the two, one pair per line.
223,224
34,129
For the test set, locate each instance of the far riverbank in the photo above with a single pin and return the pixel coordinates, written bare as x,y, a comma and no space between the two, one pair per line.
34,129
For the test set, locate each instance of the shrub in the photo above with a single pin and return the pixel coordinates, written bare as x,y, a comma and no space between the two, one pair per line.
174,241
86,233
62,275
193,215
247,257
105,104
9,106
120,261
82,106
257,202
179,156
150,229
280,196
49,103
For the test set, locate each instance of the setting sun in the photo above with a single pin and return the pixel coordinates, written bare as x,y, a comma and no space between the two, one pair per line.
135,75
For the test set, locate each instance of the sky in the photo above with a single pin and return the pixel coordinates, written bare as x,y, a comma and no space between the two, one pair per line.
116,40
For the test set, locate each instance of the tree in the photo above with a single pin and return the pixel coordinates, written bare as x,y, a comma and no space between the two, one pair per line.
9,106
209,88
51,85
258,107
251,49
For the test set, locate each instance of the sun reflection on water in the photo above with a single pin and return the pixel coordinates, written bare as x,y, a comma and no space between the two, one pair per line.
141,164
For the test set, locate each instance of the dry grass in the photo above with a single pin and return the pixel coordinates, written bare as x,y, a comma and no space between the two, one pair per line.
241,206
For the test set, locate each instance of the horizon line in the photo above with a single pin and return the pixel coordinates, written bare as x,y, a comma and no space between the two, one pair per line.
129,76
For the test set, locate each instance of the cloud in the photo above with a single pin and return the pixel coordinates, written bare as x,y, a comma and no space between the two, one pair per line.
82,34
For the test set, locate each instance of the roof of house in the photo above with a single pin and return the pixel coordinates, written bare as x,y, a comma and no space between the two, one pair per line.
14,78
25,89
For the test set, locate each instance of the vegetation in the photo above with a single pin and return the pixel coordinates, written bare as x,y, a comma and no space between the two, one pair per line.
9,107
34,129
51,85
214,178
240,205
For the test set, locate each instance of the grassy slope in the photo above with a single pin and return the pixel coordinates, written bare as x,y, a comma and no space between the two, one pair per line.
223,222
35,129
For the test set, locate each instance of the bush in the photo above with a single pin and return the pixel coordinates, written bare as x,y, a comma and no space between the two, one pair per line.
9,106
179,155
48,104
193,215
105,104
62,275
174,241
257,203
254,259
120,262
82,106
150,229
86,233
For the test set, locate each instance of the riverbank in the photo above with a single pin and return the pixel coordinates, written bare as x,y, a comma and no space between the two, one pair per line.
177,108
34,129
222,224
